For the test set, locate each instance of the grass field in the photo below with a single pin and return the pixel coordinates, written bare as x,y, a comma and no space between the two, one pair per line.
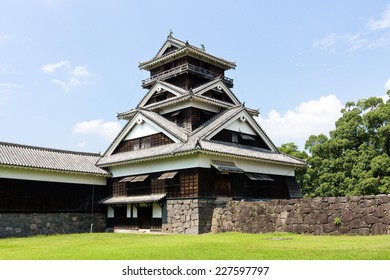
223,246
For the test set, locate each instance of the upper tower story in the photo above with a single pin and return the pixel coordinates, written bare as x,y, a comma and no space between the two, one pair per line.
185,66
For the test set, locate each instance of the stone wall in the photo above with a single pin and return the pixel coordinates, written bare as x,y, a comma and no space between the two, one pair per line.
190,216
28,224
362,215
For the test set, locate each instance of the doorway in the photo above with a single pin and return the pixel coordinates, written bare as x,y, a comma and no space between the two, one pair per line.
145,216
222,185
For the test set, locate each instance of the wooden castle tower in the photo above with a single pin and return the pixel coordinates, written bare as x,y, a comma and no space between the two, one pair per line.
188,146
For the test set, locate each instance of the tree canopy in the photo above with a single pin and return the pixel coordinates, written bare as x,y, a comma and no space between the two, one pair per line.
354,159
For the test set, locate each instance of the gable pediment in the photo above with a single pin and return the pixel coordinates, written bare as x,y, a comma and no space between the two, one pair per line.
171,44
144,124
160,92
218,91
243,126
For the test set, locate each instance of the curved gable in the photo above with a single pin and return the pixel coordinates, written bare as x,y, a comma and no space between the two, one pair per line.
160,92
218,91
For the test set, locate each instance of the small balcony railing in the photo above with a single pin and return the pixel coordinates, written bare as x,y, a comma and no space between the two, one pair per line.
185,68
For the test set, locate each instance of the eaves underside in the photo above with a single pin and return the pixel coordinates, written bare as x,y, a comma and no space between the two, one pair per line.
107,174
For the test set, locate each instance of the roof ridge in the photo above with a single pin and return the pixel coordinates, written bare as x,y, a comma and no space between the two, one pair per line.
170,126
188,46
48,149
206,125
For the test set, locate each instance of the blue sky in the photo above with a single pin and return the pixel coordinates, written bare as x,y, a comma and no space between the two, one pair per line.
68,67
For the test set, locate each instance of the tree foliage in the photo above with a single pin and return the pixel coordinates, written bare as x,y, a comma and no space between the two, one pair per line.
355,158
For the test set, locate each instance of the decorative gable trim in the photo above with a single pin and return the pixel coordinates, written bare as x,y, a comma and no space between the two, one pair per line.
158,123
159,87
184,50
244,117
169,43
219,86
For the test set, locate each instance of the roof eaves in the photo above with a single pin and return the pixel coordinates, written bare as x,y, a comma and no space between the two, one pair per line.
216,122
185,50
171,127
105,173
249,153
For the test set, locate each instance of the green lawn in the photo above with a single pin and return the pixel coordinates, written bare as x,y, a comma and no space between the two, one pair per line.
233,246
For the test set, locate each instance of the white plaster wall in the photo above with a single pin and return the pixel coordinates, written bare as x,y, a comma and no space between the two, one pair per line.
157,211
199,160
241,126
128,213
110,211
141,130
51,176
135,212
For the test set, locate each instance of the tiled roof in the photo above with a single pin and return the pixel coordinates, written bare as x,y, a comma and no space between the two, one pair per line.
249,152
139,155
216,121
187,48
196,141
134,199
15,155
171,127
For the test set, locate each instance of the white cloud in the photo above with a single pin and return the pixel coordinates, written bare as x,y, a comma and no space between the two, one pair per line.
107,130
373,36
70,77
53,67
311,117
387,84
382,23
80,71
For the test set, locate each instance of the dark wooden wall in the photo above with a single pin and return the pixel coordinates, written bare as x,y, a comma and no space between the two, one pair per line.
154,140
39,196
201,182
229,136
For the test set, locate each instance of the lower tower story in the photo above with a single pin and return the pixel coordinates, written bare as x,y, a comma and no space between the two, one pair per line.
183,201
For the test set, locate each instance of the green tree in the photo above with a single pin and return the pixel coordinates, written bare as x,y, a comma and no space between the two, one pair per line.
292,150
355,158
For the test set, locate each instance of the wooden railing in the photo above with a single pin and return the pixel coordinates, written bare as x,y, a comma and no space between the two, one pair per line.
185,68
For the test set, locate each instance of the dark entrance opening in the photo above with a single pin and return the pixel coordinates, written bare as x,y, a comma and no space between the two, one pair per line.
145,216
222,185
120,211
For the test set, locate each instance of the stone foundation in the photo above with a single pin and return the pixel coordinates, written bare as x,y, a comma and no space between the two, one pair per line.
28,224
189,216
358,215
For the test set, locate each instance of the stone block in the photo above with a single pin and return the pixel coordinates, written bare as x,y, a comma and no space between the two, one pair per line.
370,219
363,231
386,220
322,218
385,198
341,199
317,230
357,223
364,203
385,207
306,210
378,229
214,230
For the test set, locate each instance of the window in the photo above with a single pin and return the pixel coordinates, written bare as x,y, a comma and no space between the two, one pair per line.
146,142
234,137
136,143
